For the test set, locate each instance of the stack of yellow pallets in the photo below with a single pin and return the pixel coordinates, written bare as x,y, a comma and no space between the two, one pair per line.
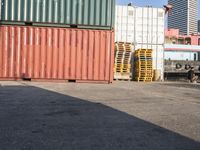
143,65
122,68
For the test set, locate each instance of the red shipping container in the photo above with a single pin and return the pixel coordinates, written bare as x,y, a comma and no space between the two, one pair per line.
42,53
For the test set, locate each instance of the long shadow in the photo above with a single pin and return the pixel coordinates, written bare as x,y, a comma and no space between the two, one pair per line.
37,119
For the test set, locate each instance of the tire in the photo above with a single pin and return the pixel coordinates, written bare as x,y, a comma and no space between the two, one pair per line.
187,67
178,66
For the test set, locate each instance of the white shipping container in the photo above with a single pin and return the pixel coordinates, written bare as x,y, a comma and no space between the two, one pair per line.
140,25
125,24
158,55
144,27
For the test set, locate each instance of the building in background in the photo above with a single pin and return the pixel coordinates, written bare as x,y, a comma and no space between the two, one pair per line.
184,16
173,36
181,53
199,26
181,47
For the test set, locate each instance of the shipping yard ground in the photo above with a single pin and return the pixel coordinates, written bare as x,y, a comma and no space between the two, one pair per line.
120,116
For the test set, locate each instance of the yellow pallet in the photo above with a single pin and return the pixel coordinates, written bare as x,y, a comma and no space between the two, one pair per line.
118,59
143,70
141,67
144,50
143,55
122,72
145,67
127,65
144,78
123,46
119,56
144,61
123,68
142,74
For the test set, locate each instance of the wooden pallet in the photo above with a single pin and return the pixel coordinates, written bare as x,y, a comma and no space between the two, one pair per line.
148,57
146,74
148,50
144,62
142,73
144,79
143,68
127,65
121,46
143,53
143,59
123,54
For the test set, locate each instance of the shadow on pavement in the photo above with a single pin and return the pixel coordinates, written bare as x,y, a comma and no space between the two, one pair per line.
37,119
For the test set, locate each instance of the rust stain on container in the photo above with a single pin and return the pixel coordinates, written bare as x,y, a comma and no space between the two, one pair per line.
43,53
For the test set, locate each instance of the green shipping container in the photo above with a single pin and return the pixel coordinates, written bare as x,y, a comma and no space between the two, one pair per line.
94,13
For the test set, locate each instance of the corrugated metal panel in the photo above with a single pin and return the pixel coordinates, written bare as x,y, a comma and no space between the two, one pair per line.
125,24
73,12
56,53
139,25
158,56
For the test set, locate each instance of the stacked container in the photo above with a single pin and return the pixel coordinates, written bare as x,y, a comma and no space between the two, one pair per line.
144,27
69,40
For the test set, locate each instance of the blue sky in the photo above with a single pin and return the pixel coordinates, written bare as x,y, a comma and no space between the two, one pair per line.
155,3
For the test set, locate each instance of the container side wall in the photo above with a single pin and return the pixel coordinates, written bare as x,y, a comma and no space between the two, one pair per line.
56,53
139,25
125,24
71,12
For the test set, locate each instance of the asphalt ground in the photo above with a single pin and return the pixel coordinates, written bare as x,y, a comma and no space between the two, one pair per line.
119,116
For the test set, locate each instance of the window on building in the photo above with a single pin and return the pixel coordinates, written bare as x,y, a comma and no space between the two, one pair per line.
174,40
195,57
181,41
188,41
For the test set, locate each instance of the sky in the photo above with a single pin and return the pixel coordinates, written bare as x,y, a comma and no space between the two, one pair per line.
154,3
